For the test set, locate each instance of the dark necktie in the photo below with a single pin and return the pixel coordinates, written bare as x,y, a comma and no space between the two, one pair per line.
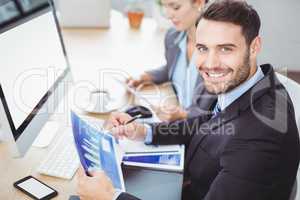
216,110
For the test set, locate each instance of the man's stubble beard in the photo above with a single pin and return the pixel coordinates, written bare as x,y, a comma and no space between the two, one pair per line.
241,76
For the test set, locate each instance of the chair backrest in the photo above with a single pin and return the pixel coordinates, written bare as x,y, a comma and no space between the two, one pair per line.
293,89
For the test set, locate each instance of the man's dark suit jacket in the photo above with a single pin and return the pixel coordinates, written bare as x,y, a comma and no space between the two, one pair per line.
249,151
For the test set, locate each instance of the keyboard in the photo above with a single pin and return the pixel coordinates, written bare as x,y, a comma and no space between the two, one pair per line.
62,161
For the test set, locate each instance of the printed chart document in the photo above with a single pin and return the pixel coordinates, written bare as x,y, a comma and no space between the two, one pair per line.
162,161
161,157
97,150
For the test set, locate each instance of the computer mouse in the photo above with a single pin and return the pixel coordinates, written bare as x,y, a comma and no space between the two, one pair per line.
136,110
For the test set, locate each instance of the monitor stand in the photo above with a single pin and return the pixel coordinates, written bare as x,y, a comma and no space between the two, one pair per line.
46,135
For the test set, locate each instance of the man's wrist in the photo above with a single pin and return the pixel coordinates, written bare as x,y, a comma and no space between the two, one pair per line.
183,114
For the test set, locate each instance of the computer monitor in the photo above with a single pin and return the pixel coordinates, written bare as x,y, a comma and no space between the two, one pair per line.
34,73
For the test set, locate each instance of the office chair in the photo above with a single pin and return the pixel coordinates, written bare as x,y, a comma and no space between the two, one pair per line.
293,89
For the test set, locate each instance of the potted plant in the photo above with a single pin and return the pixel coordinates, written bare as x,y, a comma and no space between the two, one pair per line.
135,13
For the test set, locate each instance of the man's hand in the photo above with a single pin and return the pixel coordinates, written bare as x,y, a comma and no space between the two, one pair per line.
170,113
118,127
143,79
97,187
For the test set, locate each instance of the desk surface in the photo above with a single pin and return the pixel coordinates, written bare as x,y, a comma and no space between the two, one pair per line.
120,48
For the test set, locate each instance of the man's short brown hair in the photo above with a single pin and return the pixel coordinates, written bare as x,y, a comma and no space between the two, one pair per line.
236,12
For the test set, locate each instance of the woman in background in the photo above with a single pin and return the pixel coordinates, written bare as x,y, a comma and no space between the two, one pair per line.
180,68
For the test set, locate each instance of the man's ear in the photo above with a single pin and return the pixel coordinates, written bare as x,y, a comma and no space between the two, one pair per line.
255,46
198,3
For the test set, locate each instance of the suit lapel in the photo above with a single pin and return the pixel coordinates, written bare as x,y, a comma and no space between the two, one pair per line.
209,127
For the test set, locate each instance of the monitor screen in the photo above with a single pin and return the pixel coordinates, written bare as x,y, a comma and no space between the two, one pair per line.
12,11
8,11
32,61
29,5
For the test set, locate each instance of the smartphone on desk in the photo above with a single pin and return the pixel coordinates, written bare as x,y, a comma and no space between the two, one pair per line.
35,188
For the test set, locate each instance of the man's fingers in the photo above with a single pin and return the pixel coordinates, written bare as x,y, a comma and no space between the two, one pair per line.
111,123
97,173
100,175
119,131
81,173
115,125
127,131
115,132
121,118
116,119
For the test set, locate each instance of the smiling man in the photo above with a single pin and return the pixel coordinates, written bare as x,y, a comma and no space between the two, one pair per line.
249,147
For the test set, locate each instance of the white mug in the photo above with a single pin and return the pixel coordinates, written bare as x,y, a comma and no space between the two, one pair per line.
99,99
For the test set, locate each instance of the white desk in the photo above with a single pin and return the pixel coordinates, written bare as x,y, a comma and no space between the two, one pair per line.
118,47
89,50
